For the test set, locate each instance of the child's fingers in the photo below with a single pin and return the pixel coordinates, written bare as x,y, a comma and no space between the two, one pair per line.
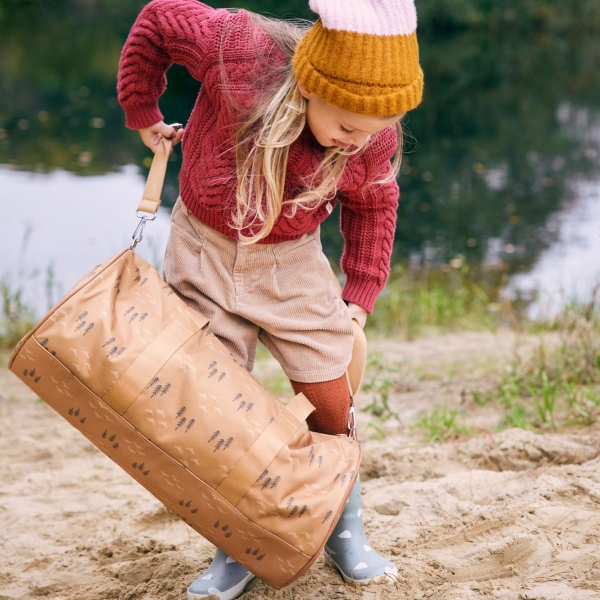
150,139
178,136
152,135
174,133
358,313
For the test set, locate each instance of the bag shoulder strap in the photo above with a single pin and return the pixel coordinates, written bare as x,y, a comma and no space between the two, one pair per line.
156,177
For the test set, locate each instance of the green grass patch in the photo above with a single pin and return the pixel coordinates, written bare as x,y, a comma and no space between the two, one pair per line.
270,374
452,298
556,385
442,424
277,383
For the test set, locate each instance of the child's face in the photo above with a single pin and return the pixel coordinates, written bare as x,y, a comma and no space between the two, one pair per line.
333,126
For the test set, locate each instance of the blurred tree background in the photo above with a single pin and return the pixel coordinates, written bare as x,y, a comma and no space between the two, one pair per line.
510,118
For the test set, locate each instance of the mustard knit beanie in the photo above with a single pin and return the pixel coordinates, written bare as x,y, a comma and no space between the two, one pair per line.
362,55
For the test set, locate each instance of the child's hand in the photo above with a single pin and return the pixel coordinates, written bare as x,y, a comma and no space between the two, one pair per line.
358,313
152,135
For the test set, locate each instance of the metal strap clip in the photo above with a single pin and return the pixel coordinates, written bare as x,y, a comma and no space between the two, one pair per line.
138,234
352,422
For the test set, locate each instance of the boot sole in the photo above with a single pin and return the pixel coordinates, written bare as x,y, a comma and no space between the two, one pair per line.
230,594
383,578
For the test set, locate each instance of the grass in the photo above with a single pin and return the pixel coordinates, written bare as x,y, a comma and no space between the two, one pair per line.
558,384
278,384
17,318
441,424
455,297
380,379
268,372
553,387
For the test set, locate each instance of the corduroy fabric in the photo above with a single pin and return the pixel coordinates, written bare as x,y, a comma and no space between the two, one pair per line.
283,294
361,73
331,400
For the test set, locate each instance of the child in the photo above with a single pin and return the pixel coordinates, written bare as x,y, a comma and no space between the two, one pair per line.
289,121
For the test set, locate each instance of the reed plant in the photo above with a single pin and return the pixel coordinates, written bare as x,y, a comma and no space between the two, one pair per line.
17,318
381,379
555,386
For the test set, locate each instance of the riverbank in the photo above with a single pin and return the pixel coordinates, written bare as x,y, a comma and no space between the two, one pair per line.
508,514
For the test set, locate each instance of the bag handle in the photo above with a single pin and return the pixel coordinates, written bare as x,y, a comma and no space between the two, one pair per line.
150,201
266,447
133,382
156,177
358,362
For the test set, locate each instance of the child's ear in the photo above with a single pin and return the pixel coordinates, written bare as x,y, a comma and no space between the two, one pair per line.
304,91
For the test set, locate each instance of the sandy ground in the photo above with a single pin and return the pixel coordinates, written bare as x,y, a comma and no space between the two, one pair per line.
508,516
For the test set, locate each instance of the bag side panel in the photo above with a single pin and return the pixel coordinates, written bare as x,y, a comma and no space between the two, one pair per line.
304,490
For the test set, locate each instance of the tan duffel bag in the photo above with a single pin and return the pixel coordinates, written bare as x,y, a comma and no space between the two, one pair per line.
141,375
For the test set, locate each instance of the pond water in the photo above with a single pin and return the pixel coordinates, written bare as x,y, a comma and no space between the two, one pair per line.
502,164
570,268
59,226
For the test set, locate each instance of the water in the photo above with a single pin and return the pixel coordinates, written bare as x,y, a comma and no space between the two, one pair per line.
57,227
569,269
505,170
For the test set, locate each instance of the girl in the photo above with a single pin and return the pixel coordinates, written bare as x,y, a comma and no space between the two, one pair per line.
289,121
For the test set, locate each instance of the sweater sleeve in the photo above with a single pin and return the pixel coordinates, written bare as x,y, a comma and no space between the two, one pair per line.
368,223
184,32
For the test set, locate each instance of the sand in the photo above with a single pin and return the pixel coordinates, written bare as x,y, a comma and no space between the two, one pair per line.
509,516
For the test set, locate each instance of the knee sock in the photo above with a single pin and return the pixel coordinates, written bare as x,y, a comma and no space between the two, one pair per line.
331,400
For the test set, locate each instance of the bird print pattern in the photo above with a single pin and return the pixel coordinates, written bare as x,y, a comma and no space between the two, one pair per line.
192,422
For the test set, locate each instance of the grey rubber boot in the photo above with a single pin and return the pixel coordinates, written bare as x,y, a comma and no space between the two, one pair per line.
225,578
348,550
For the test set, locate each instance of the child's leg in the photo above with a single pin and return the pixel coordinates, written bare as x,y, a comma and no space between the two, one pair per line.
348,549
331,400
307,328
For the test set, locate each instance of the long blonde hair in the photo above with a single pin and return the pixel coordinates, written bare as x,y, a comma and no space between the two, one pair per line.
264,137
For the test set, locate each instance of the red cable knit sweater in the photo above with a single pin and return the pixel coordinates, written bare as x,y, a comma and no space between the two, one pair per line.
227,51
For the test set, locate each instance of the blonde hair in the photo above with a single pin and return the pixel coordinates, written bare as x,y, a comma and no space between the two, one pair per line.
265,135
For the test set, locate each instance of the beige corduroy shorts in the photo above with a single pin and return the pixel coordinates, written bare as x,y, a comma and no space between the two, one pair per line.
284,294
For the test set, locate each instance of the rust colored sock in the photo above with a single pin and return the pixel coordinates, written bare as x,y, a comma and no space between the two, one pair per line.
331,400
